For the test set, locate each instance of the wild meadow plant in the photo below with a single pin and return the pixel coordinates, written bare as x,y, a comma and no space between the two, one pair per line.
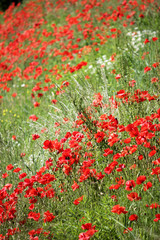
79,102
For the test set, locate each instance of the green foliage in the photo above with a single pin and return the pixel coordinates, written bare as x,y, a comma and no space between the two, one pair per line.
88,99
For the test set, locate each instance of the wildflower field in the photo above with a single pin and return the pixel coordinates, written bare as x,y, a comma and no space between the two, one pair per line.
79,120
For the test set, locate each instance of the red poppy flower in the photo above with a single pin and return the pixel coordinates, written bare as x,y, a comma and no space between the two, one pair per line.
34,118
114,197
5,175
128,230
99,136
153,205
87,235
33,215
141,179
23,154
107,152
141,15
133,131
86,226
118,209
48,144
9,167
31,207
110,167
35,136
153,80
14,137
17,170
146,41
75,186
40,95
36,104
157,218
116,186
156,162
118,76
48,217
155,64
153,152
130,184
54,101
127,140
121,93
133,196
155,171
140,157
22,175
147,186
133,217
67,169
154,39
14,94
78,200
99,176
133,166
146,69
132,83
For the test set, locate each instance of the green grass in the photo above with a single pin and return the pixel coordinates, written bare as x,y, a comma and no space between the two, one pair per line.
79,110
